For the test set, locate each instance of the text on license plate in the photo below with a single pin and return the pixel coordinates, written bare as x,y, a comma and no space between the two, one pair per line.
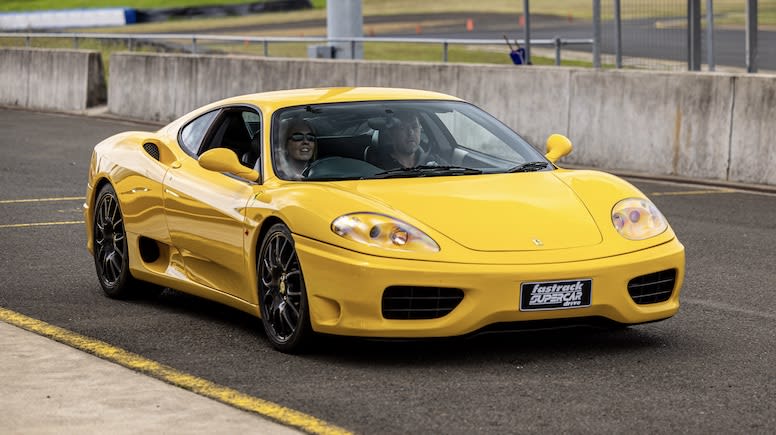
554,295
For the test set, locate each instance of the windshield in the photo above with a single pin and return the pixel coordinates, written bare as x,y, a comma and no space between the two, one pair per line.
396,139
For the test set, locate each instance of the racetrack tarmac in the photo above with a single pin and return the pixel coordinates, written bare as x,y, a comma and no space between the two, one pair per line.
710,369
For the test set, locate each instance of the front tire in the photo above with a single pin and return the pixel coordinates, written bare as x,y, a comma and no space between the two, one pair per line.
111,257
282,293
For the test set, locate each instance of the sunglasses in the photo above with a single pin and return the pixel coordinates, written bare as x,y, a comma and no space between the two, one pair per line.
301,136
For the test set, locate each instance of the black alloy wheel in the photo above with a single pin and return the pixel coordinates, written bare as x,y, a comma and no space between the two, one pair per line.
110,245
282,294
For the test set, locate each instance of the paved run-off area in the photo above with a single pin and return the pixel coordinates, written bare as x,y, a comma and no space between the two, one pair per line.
708,369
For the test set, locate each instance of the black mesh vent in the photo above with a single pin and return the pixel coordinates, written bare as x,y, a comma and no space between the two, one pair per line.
405,303
152,150
652,288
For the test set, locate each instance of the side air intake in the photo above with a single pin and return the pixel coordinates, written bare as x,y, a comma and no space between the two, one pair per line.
152,150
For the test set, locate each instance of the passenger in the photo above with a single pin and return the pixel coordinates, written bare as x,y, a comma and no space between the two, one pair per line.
400,144
299,146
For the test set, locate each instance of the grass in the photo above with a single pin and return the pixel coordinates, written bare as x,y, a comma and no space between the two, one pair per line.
37,5
372,51
392,52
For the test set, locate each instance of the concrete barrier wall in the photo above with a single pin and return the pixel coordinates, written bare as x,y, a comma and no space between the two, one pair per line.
51,79
161,87
712,126
753,136
663,123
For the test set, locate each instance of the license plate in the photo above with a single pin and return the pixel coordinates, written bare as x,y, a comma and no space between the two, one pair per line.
555,295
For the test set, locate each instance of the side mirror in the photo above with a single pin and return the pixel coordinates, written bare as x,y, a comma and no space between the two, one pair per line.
225,160
557,147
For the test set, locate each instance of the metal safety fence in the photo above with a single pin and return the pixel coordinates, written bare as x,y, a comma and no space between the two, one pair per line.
681,35
268,45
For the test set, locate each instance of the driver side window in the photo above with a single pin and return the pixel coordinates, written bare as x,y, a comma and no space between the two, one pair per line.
193,133
238,129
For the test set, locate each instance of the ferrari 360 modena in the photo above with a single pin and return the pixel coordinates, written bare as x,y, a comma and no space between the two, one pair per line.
374,212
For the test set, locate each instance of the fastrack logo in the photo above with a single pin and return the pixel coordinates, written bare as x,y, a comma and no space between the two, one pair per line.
555,288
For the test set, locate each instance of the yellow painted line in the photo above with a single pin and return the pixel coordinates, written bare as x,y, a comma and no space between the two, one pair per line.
40,224
170,375
692,192
66,198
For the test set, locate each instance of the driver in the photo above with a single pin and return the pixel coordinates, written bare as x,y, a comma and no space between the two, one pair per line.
401,145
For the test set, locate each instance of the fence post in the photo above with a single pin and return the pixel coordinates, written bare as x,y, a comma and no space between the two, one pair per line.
27,42
751,36
597,33
710,35
557,51
75,42
194,45
266,48
527,32
617,35
694,35
444,52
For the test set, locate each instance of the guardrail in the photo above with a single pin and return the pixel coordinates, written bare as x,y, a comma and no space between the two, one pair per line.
557,43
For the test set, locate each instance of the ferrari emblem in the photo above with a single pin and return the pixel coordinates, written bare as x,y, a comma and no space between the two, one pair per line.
537,242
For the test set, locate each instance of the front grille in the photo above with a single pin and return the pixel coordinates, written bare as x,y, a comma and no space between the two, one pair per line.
152,150
410,303
652,288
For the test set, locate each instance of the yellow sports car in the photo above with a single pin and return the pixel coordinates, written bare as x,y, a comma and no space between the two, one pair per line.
374,212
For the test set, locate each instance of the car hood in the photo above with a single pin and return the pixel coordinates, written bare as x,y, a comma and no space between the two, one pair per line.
501,212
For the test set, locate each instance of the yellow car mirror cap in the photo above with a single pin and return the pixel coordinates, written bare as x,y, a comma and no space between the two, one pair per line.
557,147
225,160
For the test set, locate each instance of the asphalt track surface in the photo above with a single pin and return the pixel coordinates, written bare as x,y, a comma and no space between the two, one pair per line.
710,369
643,38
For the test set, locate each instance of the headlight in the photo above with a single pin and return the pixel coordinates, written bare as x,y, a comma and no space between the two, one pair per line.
638,219
382,232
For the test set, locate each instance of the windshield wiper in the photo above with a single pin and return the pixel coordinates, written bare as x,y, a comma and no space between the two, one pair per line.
427,171
528,167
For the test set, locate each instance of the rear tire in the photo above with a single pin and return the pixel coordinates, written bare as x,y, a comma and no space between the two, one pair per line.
111,253
282,293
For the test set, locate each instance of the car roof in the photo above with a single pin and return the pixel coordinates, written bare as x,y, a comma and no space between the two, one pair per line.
295,97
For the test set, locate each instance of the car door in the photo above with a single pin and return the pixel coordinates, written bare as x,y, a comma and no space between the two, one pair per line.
205,209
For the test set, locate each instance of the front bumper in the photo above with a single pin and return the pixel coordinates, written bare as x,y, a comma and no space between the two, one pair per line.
345,288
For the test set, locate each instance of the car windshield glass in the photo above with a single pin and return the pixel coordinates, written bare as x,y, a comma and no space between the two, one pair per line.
396,139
